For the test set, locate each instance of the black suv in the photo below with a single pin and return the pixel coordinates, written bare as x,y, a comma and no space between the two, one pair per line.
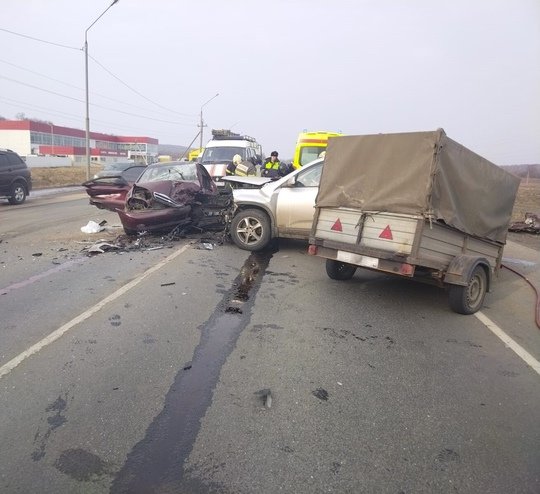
15,178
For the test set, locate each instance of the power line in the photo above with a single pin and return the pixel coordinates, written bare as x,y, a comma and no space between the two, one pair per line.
137,92
77,87
38,39
93,104
102,66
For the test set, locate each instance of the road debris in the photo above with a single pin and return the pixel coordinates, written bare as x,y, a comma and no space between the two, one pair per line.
93,227
531,224
266,397
101,247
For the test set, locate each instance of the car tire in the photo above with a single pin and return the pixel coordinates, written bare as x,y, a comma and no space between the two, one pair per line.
17,194
250,229
470,298
338,270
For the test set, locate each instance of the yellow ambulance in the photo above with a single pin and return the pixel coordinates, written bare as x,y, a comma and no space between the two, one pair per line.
310,145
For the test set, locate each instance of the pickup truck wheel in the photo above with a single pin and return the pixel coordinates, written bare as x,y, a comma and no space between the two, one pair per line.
338,270
18,193
469,299
250,229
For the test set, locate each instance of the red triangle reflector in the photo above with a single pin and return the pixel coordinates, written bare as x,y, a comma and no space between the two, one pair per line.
337,226
387,233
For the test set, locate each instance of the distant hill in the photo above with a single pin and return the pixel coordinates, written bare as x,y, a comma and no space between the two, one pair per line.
172,150
531,171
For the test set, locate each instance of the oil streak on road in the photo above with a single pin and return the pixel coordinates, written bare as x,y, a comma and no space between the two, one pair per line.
156,463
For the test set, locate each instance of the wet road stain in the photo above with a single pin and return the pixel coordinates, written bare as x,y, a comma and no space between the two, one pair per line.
58,407
155,464
115,320
320,393
447,455
81,465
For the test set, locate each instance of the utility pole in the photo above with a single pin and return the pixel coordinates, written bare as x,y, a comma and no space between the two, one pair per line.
201,124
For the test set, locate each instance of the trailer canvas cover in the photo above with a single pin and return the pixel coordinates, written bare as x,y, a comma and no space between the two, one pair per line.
422,173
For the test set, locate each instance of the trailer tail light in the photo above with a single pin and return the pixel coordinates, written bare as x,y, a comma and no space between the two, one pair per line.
312,250
406,269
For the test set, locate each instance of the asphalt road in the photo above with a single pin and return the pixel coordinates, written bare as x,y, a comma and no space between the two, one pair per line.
168,367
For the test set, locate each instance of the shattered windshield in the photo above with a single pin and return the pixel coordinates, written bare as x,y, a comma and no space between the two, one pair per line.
221,154
184,171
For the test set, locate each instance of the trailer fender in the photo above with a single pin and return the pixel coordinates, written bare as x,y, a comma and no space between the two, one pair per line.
461,267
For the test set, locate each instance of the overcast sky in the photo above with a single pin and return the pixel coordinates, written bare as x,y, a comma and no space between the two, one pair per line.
471,67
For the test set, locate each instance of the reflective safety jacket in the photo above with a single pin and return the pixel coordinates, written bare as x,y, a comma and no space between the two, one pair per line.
240,170
244,170
271,169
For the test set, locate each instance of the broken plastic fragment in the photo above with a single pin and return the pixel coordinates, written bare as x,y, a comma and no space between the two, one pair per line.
92,227
266,397
101,247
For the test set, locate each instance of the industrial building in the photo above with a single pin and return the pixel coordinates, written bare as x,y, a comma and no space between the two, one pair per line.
29,137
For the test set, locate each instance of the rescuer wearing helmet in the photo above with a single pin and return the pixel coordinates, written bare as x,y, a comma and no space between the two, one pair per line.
272,166
237,167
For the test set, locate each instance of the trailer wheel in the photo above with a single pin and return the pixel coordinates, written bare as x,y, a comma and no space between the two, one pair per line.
338,270
469,299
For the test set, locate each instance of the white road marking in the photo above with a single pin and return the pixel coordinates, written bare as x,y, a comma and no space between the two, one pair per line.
57,333
509,342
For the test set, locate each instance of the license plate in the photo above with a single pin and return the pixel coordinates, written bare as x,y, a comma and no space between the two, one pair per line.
349,257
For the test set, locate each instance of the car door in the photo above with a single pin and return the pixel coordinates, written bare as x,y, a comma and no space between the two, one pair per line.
295,203
5,175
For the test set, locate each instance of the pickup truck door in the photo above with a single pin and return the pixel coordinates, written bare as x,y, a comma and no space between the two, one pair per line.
296,202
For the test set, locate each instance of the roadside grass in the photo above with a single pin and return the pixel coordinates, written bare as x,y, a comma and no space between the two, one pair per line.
528,197
43,178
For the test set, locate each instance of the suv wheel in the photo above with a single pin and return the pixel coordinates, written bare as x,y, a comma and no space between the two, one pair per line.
250,229
18,193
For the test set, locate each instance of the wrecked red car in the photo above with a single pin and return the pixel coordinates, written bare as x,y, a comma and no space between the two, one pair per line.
165,196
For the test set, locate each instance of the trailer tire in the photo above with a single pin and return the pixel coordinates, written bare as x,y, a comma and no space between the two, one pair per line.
470,298
338,270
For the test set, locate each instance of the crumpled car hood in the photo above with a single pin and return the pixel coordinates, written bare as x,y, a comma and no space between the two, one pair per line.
251,181
164,193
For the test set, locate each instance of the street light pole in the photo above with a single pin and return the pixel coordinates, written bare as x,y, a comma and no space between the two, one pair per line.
202,121
86,87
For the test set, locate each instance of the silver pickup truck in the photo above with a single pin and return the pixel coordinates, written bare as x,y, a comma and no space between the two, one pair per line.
416,205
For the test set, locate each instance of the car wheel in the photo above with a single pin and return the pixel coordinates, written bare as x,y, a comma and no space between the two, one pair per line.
470,298
250,229
338,270
18,193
